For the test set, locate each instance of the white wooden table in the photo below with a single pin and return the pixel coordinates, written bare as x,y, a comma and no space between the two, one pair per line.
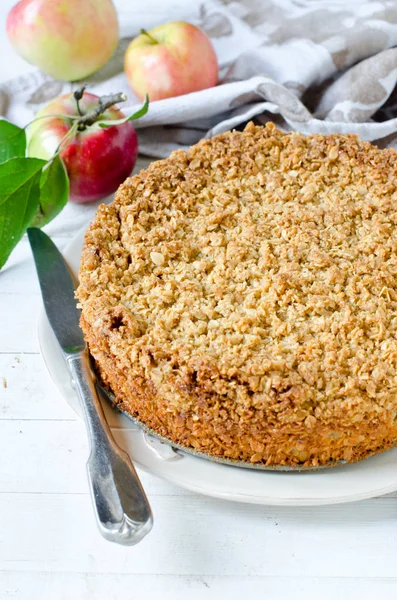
50,548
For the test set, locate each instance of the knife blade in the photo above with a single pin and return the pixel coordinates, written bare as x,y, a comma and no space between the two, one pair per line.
57,289
122,509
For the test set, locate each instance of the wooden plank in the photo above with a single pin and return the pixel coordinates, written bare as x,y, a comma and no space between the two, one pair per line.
49,456
19,275
61,450
18,317
200,536
82,586
30,392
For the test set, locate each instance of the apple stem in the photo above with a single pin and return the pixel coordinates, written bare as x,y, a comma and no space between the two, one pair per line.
78,94
104,103
151,38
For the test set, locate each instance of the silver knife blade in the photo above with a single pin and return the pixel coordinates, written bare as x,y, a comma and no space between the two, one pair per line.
57,290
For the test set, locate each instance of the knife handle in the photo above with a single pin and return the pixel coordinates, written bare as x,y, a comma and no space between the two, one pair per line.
122,509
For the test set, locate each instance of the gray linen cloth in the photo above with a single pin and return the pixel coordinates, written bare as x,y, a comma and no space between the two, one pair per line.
315,66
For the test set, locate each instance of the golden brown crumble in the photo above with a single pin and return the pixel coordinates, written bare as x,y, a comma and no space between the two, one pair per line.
241,297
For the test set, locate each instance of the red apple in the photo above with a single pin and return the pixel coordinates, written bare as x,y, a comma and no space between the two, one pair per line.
97,160
68,39
170,60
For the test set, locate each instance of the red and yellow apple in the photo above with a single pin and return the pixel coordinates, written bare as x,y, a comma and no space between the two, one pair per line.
97,160
170,60
68,39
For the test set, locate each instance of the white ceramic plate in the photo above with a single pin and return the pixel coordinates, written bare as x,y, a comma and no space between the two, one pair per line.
372,477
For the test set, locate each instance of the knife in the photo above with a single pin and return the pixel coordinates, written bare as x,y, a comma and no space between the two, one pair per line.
122,509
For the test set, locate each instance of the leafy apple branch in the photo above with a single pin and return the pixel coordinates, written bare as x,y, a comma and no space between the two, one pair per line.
104,103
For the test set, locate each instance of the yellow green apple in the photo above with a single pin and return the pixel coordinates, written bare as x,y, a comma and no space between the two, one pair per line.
170,60
68,39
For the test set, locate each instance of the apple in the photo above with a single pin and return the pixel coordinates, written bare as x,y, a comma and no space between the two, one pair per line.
170,60
68,39
97,160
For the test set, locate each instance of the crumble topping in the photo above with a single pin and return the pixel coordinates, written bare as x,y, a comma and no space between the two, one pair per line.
257,266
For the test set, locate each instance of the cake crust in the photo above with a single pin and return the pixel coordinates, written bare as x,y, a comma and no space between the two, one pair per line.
240,298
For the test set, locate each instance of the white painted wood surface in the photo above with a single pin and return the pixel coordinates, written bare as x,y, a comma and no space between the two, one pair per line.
200,547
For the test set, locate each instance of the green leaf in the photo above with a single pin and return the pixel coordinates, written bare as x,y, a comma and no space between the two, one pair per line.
19,200
12,141
54,192
137,115
15,173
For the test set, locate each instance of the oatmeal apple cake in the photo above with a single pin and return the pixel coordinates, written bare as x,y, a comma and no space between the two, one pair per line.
240,298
